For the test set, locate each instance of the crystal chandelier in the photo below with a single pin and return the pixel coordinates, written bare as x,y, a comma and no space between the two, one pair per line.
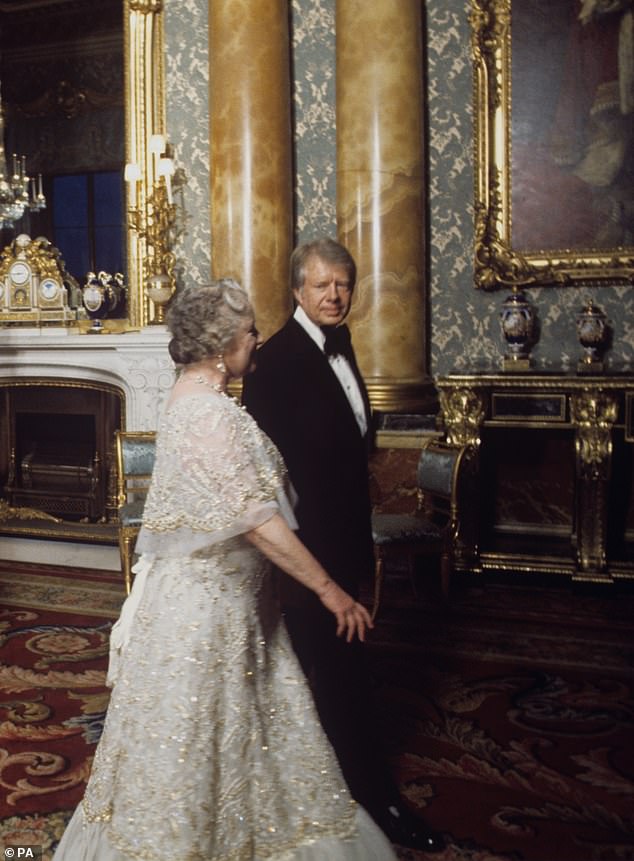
18,192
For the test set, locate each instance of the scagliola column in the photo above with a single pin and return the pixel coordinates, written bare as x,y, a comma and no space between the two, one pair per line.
380,193
250,151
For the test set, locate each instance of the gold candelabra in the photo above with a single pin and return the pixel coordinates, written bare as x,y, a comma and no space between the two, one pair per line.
156,222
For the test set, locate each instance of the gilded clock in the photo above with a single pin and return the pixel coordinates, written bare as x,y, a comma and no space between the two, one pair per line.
19,273
49,289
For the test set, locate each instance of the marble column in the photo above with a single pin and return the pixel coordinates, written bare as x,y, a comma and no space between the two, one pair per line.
380,193
250,152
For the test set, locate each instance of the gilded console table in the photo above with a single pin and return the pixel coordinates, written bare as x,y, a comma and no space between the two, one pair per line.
555,476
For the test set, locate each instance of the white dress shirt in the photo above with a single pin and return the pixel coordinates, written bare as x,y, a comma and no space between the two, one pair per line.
340,366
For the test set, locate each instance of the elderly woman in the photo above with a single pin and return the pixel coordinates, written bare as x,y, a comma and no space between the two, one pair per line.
211,747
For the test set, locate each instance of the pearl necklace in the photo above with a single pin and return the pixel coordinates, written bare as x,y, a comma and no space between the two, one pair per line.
202,381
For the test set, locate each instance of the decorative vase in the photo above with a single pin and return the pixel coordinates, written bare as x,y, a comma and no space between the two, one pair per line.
159,289
592,329
518,322
101,295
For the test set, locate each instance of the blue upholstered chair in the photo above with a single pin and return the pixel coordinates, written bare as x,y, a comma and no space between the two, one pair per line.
433,527
135,461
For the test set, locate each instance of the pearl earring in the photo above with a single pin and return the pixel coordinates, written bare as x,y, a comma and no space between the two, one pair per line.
220,364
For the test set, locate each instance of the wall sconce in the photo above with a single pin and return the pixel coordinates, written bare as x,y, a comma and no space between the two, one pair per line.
155,220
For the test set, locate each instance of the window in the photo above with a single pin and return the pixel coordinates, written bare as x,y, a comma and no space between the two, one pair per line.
88,222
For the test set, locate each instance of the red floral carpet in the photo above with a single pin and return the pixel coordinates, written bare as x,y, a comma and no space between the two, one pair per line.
511,720
54,631
509,717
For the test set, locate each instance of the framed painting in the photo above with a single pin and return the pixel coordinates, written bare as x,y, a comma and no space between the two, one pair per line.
554,142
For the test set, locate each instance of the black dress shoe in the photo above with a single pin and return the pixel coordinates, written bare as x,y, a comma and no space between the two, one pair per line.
405,829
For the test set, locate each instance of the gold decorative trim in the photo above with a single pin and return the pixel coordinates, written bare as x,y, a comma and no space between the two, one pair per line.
402,397
145,116
536,382
94,533
532,565
629,417
463,413
405,439
593,413
526,563
70,383
497,263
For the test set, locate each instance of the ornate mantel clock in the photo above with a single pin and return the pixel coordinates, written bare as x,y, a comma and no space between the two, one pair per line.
32,283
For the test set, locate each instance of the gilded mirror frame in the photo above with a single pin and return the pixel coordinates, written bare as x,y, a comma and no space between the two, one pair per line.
145,116
497,262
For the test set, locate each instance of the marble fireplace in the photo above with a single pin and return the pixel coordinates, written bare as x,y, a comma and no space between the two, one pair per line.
62,396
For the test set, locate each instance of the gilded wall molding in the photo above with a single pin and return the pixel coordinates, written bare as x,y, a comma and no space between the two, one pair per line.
145,116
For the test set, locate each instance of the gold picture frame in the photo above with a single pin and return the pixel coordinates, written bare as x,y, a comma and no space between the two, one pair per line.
498,262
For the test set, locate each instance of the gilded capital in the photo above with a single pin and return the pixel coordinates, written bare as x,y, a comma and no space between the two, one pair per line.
145,7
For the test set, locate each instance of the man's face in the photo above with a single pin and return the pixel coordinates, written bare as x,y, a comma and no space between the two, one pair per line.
326,293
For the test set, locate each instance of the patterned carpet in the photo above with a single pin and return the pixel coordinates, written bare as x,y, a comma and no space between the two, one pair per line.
54,630
508,717
92,593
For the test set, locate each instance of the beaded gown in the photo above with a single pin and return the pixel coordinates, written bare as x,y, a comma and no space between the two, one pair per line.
212,749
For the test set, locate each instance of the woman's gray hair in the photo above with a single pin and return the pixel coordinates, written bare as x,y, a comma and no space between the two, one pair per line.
204,319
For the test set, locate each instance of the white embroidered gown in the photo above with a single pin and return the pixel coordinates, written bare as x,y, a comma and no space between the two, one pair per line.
212,749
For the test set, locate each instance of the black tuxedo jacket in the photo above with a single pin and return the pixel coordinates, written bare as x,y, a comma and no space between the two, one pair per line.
297,400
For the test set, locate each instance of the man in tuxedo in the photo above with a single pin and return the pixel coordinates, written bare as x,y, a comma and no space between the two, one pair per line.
307,394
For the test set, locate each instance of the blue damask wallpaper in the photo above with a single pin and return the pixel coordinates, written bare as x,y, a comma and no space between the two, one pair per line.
465,321
187,116
465,327
314,122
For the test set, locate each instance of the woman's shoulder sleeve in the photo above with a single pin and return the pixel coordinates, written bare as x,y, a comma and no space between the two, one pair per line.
214,476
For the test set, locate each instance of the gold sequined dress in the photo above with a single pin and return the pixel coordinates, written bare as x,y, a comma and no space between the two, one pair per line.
212,749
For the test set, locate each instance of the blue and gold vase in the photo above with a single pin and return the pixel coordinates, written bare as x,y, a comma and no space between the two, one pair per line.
592,331
518,325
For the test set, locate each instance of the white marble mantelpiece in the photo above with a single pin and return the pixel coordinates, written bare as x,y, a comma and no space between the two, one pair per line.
138,363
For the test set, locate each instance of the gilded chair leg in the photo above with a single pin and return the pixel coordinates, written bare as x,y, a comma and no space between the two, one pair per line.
378,581
125,552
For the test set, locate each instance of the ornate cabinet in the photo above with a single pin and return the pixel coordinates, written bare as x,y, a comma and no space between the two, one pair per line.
555,470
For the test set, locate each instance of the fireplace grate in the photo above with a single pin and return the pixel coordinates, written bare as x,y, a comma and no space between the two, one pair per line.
56,451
